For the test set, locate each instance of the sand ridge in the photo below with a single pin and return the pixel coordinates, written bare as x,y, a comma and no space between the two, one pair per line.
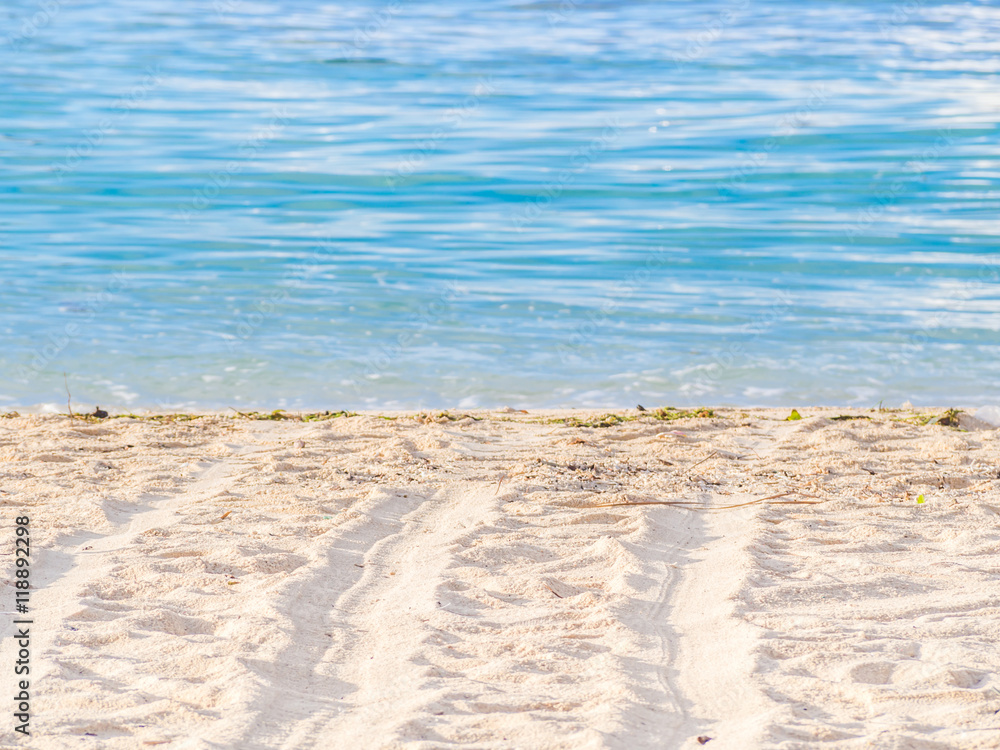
432,583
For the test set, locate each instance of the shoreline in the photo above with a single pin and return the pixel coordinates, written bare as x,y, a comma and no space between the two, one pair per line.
553,415
509,580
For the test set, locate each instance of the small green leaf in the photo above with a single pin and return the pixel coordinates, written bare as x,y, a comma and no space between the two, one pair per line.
793,416
920,499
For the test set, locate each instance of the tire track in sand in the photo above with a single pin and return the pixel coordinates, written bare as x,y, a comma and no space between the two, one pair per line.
66,580
473,611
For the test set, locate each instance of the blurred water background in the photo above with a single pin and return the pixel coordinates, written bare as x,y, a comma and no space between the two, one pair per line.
410,204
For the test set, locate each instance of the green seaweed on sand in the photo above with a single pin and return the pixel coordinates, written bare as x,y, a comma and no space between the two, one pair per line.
164,418
950,418
322,416
276,415
158,418
794,416
663,414
279,415
456,417
443,416
273,416
605,420
670,413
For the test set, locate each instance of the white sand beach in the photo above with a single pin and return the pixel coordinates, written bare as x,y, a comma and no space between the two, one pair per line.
506,580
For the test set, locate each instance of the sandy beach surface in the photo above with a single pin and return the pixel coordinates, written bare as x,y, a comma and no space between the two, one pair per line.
506,580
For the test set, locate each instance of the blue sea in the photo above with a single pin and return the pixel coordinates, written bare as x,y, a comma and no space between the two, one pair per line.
574,203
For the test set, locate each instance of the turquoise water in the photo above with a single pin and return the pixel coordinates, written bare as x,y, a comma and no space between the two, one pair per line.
408,204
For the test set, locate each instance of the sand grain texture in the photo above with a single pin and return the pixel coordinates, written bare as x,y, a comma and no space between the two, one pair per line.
372,583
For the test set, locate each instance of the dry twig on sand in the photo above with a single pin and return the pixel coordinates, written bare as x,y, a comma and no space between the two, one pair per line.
692,505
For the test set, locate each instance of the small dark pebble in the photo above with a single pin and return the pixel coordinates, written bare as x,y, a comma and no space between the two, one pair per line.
99,413
703,739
